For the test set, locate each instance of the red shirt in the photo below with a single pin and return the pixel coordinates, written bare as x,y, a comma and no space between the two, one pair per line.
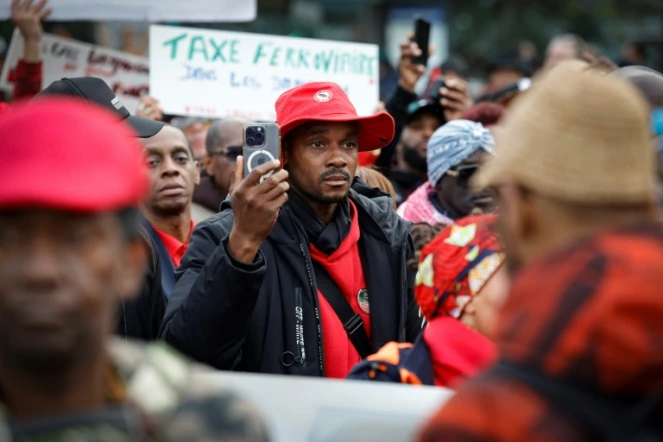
174,246
344,267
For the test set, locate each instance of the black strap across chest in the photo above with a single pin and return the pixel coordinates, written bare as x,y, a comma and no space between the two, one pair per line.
352,322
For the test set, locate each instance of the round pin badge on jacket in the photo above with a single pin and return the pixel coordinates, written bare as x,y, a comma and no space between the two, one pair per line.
362,300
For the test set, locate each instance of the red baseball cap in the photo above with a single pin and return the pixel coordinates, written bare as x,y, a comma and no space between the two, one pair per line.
324,101
65,154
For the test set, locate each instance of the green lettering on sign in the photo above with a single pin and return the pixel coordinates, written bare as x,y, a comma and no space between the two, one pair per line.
197,45
260,52
174,42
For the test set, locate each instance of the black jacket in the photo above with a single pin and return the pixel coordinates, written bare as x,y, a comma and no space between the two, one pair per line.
236,316
167,268
141,317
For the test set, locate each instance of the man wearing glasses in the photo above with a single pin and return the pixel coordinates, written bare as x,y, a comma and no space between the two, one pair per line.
223,144
455,152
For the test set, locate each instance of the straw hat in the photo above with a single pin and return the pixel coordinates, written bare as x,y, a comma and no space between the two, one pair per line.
579,138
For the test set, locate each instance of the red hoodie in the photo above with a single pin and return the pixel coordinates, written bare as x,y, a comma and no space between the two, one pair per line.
448,353
344,267
457,352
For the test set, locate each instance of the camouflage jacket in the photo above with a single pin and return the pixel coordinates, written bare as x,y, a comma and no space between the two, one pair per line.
155,395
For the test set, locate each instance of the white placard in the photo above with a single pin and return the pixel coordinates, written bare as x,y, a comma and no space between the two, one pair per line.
127,74
148,10
300,409
217,74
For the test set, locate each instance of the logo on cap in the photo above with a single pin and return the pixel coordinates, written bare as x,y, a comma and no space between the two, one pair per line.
322,96
117,103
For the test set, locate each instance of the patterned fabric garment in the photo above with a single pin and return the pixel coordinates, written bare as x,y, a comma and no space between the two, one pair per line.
589,314
153,395
456,265
419,209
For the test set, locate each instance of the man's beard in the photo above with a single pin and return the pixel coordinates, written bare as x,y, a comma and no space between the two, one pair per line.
414,160
317,195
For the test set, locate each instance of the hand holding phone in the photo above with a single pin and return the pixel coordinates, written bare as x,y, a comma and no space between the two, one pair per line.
261,192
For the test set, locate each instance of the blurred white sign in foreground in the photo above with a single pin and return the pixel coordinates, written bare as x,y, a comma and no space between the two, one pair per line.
218,74
300,409
128,75
148,10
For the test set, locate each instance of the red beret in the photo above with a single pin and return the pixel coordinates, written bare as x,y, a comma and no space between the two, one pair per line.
66,154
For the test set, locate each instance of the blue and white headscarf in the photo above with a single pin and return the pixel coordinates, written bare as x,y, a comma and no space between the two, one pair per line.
453,143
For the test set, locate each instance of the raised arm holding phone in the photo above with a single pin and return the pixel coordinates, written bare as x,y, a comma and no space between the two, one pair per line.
304,272
450,99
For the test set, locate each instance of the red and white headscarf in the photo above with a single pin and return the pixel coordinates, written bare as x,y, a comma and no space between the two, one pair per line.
456,265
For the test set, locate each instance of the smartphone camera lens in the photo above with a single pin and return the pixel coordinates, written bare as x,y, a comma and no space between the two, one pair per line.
251,141
260,138
250,131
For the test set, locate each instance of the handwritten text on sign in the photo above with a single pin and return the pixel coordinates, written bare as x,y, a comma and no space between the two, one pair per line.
216,73
126,74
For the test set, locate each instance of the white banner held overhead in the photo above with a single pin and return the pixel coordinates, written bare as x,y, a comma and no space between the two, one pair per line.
127,74
216,73
148,10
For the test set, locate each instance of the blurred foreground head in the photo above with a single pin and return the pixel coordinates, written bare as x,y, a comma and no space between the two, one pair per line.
575,181
70,245
571,162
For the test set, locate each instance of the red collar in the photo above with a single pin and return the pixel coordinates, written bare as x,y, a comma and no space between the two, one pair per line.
174,246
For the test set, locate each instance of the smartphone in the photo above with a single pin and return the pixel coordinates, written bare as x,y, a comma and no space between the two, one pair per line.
421,38
434,91
262,143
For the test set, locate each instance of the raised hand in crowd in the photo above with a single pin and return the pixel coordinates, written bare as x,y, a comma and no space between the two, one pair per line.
455,98
256,207
599,63
27,18
148,107
408,72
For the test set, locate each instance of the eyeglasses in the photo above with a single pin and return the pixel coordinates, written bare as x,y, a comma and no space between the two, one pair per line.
463,174
230,152
186,122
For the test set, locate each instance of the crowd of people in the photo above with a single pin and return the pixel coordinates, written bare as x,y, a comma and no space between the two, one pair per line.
505,249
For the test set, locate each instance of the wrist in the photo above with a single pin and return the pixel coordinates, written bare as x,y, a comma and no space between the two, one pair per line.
32,51
406,86
241,248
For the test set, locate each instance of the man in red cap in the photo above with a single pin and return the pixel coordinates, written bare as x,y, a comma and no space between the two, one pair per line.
307,273
70,250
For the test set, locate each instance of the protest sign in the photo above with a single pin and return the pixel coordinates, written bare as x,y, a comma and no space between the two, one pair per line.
331,410
148,10
128,75
216,74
